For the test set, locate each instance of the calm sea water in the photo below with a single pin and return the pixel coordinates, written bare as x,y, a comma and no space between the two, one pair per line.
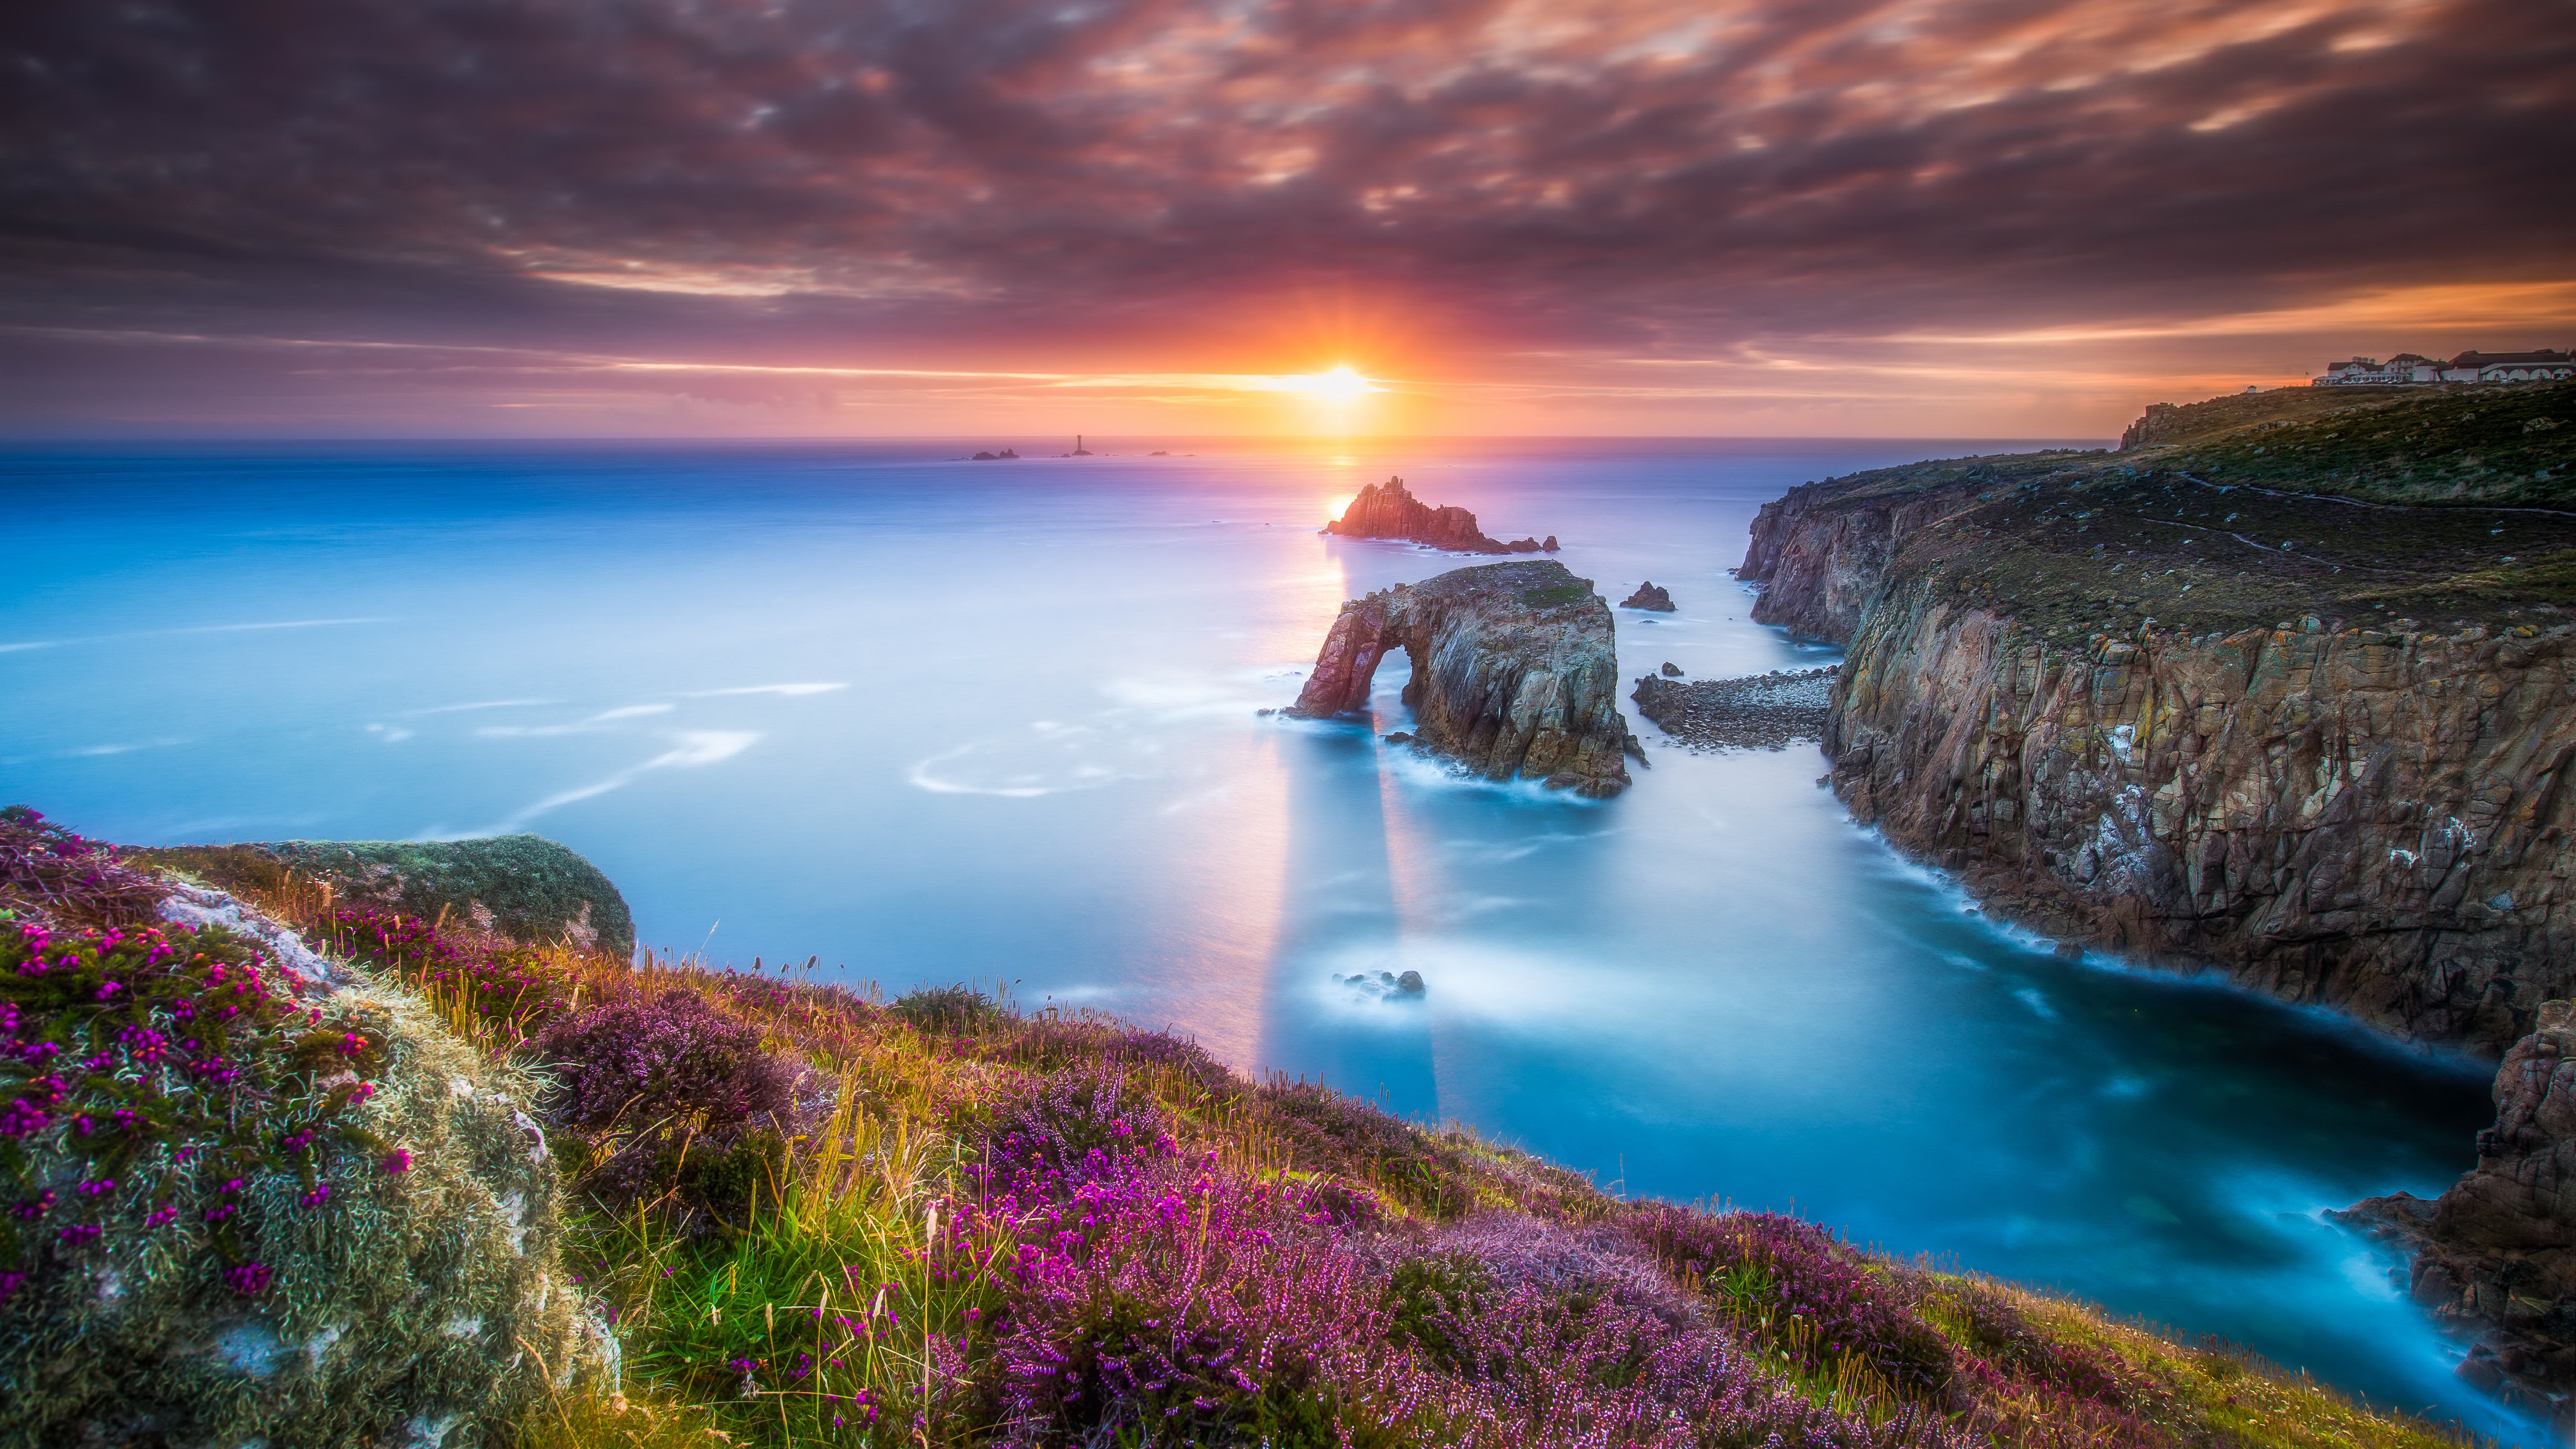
941,721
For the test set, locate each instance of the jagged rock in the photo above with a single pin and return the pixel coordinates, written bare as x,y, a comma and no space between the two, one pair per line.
2062,686
1649,596
1523,545
1672,670
1386,510
524,888
1399,738
1515,672
2496,1254
1548,544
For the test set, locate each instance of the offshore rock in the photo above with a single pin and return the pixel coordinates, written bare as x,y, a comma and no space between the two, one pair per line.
1649,595
523,888
1515,672
2495,1256
1386,510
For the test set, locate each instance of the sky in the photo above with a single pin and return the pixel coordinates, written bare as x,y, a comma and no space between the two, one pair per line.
1014,219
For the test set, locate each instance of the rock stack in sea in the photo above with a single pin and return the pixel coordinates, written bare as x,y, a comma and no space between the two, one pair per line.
1386,510
1515,672
1649,595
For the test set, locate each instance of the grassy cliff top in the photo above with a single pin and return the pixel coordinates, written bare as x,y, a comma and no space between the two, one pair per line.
2414,508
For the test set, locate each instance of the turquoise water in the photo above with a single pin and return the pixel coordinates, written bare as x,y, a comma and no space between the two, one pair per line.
938,721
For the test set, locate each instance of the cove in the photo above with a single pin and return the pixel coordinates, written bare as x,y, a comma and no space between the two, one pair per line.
997,722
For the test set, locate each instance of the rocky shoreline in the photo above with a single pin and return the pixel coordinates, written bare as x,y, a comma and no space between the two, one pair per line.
1758,712
2494,1257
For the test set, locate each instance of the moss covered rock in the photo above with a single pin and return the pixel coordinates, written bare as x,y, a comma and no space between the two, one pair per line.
251,1206
524,887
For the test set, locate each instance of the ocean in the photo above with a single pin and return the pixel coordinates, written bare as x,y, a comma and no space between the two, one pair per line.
924,721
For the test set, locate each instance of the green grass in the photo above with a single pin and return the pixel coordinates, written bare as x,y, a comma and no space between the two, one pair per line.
822,1305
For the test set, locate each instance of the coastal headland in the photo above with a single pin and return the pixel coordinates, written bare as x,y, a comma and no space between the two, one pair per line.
1515,672
2288,694
2286,685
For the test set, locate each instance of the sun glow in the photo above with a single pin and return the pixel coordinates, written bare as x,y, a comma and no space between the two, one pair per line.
1339,385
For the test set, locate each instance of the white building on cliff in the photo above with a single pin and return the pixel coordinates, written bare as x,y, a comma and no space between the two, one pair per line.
2408,368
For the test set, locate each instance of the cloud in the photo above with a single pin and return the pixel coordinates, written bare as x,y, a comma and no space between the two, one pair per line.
373,208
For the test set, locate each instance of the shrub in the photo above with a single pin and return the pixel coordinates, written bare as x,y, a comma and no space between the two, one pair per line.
689,1102
502,989
674,1056
1052,1134
1795,1276
56,874
960,1009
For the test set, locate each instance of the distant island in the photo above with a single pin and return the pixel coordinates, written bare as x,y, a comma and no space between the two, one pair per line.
993,457
1386,510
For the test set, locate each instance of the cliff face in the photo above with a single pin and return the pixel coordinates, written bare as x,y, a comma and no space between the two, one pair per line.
2493,1255
1515,672
2185,718
2367,819
1821,555
1386,510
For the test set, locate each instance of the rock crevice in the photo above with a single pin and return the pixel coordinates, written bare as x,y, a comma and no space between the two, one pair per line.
1515,672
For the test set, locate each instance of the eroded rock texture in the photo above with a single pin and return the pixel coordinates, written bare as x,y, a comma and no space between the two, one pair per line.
2493,1255
2363,818
1515,672
2132,706
1386,510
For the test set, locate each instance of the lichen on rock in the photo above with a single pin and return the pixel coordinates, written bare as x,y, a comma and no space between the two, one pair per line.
250,1201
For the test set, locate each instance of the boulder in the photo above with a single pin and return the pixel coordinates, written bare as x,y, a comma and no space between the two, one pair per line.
1649,595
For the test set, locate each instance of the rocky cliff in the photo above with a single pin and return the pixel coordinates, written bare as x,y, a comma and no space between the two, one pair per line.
2495,1256
1515,672
2191,719
1386,510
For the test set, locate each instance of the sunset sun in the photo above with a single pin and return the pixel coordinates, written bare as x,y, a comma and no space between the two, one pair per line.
1342,384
